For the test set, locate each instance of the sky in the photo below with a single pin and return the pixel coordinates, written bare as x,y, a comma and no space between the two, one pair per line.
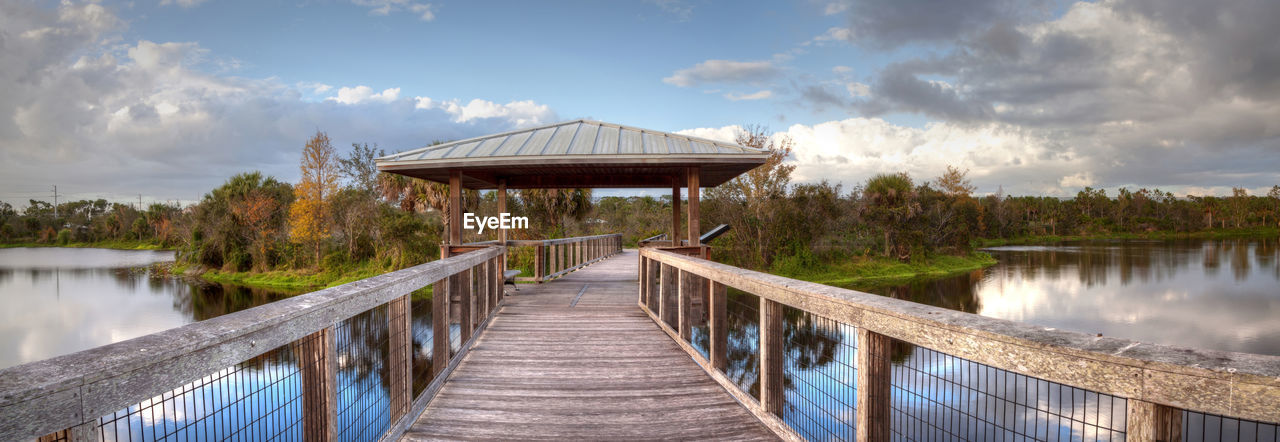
164,100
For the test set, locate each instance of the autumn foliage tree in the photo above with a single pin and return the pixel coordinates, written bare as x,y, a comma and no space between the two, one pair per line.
309,215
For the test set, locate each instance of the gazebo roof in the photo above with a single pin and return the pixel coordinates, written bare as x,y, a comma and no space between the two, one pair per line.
579,153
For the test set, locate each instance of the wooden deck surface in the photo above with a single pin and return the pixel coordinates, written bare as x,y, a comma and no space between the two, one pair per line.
561,362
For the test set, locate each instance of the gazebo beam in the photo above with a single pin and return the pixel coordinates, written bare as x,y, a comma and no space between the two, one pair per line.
502,208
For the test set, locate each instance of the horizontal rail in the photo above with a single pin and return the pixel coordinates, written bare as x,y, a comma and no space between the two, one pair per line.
76,389
554,258
1234,385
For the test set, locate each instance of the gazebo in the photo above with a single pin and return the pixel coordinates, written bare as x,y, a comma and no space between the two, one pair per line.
578,154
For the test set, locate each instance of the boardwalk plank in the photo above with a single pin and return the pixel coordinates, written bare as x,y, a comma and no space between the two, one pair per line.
597,370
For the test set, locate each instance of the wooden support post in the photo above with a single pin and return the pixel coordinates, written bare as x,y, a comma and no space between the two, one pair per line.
318,364
495,283
685,299
694,228
675,211
772,393
455,207
400,335
502,208
1150,422
439,326
874,355
719,326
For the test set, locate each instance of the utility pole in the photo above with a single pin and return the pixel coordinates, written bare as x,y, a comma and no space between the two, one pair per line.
139,202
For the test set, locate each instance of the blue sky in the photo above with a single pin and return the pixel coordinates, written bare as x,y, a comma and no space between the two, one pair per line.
168,98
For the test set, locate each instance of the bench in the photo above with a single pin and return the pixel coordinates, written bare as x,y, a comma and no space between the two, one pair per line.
509,277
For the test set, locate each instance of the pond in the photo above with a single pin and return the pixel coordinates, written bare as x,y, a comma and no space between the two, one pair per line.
59,301
1218,294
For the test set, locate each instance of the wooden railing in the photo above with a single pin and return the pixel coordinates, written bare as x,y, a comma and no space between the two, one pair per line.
967,359
553,258
215,379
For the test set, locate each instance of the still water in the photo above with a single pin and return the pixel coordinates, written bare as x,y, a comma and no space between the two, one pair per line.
1212,294
1219,294
59,301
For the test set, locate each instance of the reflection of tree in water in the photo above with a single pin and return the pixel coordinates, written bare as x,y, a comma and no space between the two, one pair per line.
1240,262
204,301
423,339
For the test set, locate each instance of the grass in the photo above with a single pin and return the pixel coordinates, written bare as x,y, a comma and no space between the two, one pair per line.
108,244
292,279
879,271
1253,232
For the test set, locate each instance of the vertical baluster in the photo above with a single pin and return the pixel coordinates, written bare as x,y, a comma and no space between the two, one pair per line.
667,299
316,360
1148,421
684,310
466,304
719,327
874,355
482,291
537,263
399,330
439,326
771,356
643,286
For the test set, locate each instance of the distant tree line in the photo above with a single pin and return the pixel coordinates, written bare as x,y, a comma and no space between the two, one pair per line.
344,212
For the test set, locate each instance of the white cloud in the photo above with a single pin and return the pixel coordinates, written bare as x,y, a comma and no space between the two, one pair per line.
182,3
314,87
1082,179
857,89
723,71
842,70
833,34
424,11
361,94
836,7
96,116
752,96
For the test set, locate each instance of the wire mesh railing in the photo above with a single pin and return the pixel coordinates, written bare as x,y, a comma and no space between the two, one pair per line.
343,363
822,363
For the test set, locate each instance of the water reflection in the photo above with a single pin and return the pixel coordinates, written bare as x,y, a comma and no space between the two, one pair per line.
1214,294
59,301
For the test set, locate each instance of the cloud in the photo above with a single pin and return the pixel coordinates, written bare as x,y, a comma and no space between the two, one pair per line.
678,9
998,156
101,118
360,94
760,95
424,11
893,23
182,3
832,34
724,71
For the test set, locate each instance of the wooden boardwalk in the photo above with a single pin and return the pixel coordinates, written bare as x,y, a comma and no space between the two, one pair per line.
575,358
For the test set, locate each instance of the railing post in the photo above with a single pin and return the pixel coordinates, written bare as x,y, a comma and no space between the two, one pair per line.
482,291
643,278
317,362
439,326
537,263
495,283
684,315
667,299
772,394
465,303
1151,422
400,330
874,355
718,325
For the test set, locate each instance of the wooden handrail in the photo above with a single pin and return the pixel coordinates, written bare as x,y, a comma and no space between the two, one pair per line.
73,391
556,257
1157,380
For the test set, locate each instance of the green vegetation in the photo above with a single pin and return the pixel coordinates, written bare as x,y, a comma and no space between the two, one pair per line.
873,271
345,221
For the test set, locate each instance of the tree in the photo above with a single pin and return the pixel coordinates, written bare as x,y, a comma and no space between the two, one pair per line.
954,183
309,215
359,168
891,203
555,205
750,199
1274,195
